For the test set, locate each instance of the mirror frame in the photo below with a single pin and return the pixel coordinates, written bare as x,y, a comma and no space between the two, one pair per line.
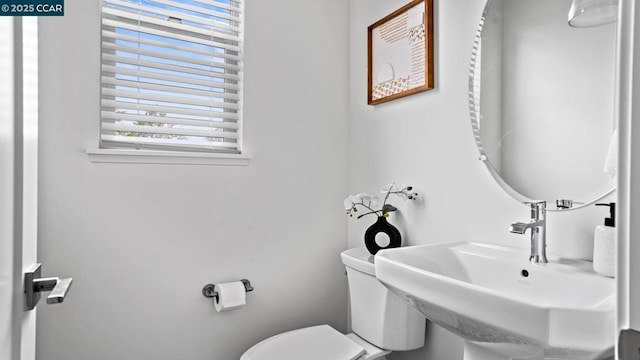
474,112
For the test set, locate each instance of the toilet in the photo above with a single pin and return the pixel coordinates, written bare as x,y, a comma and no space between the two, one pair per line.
381,323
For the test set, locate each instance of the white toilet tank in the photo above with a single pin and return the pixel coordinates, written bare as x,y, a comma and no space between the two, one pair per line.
377,315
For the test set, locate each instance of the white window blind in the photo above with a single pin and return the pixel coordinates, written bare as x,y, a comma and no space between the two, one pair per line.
171,75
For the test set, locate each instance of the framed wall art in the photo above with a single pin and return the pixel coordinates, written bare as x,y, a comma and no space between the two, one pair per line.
400,53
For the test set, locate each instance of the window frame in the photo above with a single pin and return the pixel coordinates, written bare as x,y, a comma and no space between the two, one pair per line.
133,153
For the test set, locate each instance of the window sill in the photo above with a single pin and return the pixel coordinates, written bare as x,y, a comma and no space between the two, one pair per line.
127,156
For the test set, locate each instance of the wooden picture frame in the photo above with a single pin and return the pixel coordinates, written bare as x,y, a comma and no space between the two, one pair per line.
400,53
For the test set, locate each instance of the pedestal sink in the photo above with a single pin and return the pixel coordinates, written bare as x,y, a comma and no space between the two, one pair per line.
503,306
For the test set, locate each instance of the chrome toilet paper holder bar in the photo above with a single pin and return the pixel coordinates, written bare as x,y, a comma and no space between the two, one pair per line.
208,290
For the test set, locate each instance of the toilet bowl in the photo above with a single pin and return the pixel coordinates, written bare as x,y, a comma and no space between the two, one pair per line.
381,322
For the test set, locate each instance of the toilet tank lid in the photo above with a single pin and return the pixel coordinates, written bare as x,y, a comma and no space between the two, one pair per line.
313,343
359,259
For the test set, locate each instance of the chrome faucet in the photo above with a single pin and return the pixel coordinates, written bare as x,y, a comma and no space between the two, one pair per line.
538,231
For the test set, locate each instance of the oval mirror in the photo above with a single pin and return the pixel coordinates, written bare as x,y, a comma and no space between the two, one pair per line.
542,102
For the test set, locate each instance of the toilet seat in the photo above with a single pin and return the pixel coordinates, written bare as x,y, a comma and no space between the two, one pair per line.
313,343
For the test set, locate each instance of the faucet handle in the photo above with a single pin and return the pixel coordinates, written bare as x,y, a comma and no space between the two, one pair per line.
536,203
563,204
538,208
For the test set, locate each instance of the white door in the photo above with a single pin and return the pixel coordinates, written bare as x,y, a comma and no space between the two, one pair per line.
18,182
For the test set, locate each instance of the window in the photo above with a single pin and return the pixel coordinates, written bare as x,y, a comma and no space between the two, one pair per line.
171,75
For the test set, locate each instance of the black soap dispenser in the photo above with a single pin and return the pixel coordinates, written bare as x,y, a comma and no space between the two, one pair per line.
604,244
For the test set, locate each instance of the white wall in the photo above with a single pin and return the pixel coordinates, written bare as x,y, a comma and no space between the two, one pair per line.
426,140
142,240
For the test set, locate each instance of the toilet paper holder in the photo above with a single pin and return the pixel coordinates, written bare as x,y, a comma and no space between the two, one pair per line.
209,292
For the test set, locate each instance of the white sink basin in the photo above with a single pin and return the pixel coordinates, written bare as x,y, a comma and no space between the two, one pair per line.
487,293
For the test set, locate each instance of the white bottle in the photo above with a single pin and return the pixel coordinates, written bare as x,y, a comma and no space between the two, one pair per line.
605,244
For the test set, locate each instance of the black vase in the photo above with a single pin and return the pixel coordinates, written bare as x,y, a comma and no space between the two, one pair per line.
381,225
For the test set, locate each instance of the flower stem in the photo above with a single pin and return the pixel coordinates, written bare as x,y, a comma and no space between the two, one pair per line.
361,203
386,197
370,212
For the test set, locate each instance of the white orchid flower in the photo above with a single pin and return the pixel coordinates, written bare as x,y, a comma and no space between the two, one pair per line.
370,200
348,204
370,204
